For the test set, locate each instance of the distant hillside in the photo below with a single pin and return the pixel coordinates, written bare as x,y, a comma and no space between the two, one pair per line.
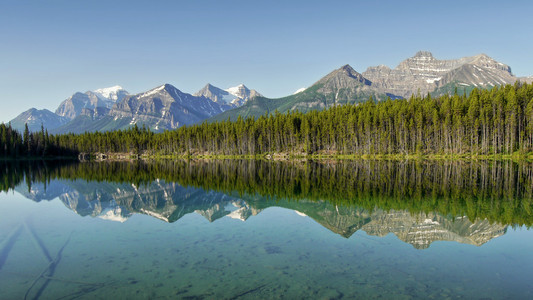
35,118
425,74
342,86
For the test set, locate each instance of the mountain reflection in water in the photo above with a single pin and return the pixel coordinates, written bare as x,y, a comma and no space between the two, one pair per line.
418,201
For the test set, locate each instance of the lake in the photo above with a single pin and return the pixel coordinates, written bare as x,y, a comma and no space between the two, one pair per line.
245,229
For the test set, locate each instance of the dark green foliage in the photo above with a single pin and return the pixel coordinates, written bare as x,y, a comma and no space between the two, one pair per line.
10,142
500,191
31,144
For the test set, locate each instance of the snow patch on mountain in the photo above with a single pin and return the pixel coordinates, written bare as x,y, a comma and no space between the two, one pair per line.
299,90
152,91
425,73
238,91
233,96
113,93
432,80
300,213
113,214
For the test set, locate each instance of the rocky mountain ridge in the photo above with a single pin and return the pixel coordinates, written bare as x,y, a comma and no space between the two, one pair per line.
165,107
233,96
100,98
37,117
162,108
341,86
426,74
114,93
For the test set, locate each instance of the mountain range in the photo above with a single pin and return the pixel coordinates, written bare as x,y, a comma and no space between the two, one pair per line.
165,107
421,73
429,75
162,108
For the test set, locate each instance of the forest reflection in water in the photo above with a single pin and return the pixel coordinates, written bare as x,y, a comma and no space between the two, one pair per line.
419,201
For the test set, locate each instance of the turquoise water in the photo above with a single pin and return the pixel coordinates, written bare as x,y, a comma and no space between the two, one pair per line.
114,241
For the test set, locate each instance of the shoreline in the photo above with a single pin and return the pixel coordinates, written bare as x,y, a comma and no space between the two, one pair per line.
39,158
300,157
278,157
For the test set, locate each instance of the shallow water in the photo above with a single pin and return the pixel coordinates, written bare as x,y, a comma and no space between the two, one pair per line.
224,246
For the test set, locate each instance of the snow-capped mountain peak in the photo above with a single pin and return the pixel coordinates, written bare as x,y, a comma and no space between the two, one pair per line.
240,91
243,93
235,96
114,93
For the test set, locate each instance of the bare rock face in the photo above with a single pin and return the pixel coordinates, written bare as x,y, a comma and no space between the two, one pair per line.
114,93
73,106
96,113
528,79
165,107
343,78
101,98
234,96
243,94
341,86
425,73
216,94
37,117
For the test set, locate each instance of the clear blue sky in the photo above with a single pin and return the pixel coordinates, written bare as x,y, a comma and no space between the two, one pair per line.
51,49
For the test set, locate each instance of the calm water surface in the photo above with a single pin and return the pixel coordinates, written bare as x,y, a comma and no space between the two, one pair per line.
249,230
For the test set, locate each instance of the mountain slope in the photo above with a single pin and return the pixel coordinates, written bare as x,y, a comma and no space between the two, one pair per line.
84,123
162,108
35,117
165,107
114,93
234,96
243,94
216,95
425,73
528,79
101,98
341,86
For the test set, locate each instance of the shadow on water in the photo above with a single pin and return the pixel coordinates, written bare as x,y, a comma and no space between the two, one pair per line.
47,275
8,244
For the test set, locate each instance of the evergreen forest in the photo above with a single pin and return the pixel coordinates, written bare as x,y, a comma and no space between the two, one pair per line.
485,122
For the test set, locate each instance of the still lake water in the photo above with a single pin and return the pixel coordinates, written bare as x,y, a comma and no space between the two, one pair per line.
252,230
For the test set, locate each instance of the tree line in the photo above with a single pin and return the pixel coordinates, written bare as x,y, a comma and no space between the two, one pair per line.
13,144
485,122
